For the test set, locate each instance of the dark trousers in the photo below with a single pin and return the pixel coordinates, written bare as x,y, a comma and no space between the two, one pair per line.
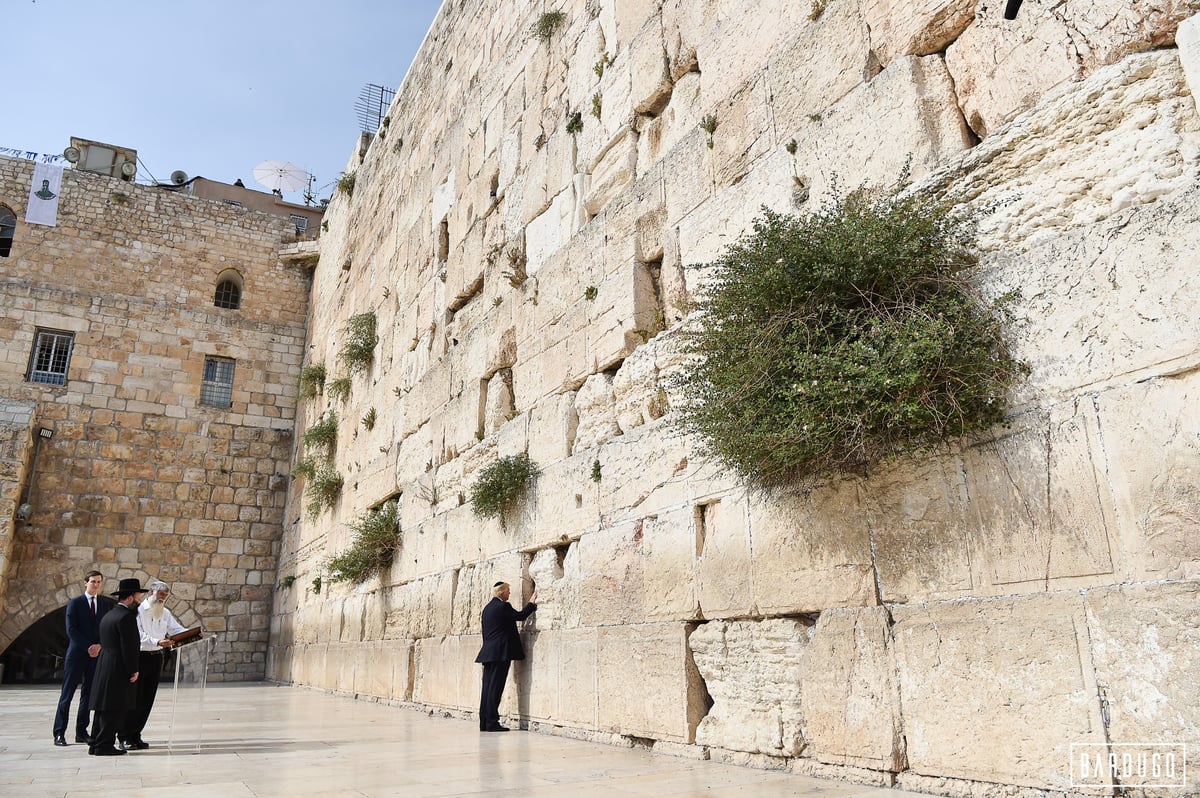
76,671
108,723
494,676
150,665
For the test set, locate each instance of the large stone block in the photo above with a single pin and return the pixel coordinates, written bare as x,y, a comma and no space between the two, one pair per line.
1002,67
849,697
668,701
1150,441
996,690
752,671
612,579
810,551
446,674
724,568
1145,642
670,546
914,27
557,680
1037,505
917,512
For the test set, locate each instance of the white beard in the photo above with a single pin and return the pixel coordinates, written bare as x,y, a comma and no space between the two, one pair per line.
156,610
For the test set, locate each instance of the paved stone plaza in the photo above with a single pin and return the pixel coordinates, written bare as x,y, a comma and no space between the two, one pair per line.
266,740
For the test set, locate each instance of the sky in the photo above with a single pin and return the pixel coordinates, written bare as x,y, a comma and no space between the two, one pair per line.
211,88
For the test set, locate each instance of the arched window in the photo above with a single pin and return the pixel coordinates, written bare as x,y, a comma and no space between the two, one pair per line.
229,290
8,226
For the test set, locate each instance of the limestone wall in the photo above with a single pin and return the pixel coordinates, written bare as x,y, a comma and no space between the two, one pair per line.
141,478
529,226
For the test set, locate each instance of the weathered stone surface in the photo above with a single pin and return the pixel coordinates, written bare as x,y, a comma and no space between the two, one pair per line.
810,552
558,677
914,27
752,670
668,702
724,571
996,690
1187,38
594,409
1145,642
1157,499
849,697
917,512
446,674
670,546
612,576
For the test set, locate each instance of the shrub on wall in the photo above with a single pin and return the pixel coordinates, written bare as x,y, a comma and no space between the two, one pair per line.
376,541
361,339
843,337
339,389
323,434
502,484
323,489
312,380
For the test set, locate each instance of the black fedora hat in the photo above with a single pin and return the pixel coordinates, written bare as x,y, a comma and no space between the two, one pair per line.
128,587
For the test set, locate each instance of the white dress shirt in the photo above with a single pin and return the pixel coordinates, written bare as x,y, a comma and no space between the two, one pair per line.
152,630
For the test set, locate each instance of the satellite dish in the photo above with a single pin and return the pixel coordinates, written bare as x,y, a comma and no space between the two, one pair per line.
281,176
179,177
72,154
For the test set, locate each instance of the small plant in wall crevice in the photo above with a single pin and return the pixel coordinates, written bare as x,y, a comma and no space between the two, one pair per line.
358,351
376,541
545,25
312,380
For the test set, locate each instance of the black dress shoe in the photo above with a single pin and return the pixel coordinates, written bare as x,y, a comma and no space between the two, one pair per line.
496,728
137,745
114,751
82,738
60,739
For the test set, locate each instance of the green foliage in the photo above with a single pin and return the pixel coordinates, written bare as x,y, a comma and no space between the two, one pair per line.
574,123
368,419
339,389
376,541
312,380
842,337
323,434
345,183
361,339
305,468
597,105
323,490
590,293
791,147
502,484
316,586
596,470
604,63
709,125
545,25
287,581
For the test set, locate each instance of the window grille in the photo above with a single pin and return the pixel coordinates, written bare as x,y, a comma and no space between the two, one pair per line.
51,356
217,387
8,227
228,295
301,222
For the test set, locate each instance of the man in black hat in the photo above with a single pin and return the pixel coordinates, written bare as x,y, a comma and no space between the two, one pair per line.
501,645
114,693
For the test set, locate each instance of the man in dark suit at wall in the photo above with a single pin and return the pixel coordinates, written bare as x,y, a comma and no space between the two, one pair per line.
79,666
114,695
501,645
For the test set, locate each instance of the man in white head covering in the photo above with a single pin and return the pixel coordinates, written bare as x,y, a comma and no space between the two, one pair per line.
156,624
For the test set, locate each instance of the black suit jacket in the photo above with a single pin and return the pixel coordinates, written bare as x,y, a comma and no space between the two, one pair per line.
501,641
82,629
119,646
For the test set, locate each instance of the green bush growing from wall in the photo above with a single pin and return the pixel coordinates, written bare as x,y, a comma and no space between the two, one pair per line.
842,337
361,339
323,490
501,485
376,541
312,380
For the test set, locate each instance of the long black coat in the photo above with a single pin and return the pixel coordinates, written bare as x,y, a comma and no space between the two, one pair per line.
501,641
119,644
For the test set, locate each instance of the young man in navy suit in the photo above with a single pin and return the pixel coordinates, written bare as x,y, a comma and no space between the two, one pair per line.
79,667
501,645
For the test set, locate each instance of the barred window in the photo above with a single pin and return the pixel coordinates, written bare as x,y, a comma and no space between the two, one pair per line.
51,356
217,388
8,227
301,222
228,295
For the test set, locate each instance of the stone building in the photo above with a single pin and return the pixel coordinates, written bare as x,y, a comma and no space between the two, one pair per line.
156,338
527,230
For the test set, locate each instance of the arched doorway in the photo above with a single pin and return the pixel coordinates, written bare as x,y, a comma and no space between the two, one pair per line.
36,656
